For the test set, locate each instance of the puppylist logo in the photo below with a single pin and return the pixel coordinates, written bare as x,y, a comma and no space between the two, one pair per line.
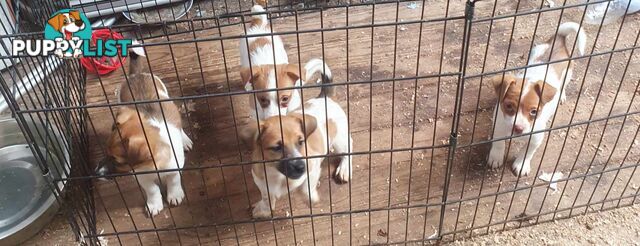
67,34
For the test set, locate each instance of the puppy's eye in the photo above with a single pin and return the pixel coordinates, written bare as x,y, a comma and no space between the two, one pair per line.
301,142
277,148
264,102
510,107
284,99
533,112
65,21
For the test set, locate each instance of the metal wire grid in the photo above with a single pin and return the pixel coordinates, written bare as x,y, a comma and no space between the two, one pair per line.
447,203
57,89
50,88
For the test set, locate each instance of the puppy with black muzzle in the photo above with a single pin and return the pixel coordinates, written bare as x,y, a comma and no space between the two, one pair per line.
147,138
303,135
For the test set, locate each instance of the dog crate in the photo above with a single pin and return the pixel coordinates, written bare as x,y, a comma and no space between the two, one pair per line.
413,78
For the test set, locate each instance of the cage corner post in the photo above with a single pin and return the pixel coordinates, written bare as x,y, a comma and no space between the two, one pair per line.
453,137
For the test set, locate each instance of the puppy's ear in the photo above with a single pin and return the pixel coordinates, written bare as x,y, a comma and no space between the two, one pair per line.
125,115
545,91
308,124
246,75
137,149
293,71
128,144
75,14
133,139
502,83
251,133
56,22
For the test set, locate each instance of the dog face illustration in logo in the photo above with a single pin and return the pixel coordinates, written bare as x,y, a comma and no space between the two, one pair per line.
67,24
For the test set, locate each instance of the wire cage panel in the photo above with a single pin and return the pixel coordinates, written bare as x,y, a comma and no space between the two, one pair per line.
228,113
597,115
414,78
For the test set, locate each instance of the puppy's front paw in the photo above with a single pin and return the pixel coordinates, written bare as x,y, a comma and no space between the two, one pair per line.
313,196
154,207
175,196
261,210
521,167
496,158
187,143
343,172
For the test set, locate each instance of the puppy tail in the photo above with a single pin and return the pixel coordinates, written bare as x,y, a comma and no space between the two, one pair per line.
568,28
137,64
258,20
314,66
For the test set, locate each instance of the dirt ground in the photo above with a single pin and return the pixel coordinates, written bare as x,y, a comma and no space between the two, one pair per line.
406,121
614,227
58,232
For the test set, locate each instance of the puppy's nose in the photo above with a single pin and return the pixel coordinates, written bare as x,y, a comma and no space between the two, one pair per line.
101,170
517,129
104,168
79,23
294,169
298,166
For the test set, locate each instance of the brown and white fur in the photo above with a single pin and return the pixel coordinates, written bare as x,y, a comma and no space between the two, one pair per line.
265,65
527,102
67,24
142,139
302,136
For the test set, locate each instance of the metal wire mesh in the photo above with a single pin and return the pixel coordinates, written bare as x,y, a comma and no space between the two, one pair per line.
413,79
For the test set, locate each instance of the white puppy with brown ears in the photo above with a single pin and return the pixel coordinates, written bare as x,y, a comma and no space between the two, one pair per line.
284,142
148,137
527,102
265,65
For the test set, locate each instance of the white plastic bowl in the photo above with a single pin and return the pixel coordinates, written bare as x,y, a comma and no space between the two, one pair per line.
616,9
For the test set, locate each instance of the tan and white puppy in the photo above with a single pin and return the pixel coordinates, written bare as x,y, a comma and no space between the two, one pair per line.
315,133
148,138
265,65
527,102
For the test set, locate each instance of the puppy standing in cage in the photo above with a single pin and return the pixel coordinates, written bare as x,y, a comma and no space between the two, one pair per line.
147,137
285,142
527,102
265,65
